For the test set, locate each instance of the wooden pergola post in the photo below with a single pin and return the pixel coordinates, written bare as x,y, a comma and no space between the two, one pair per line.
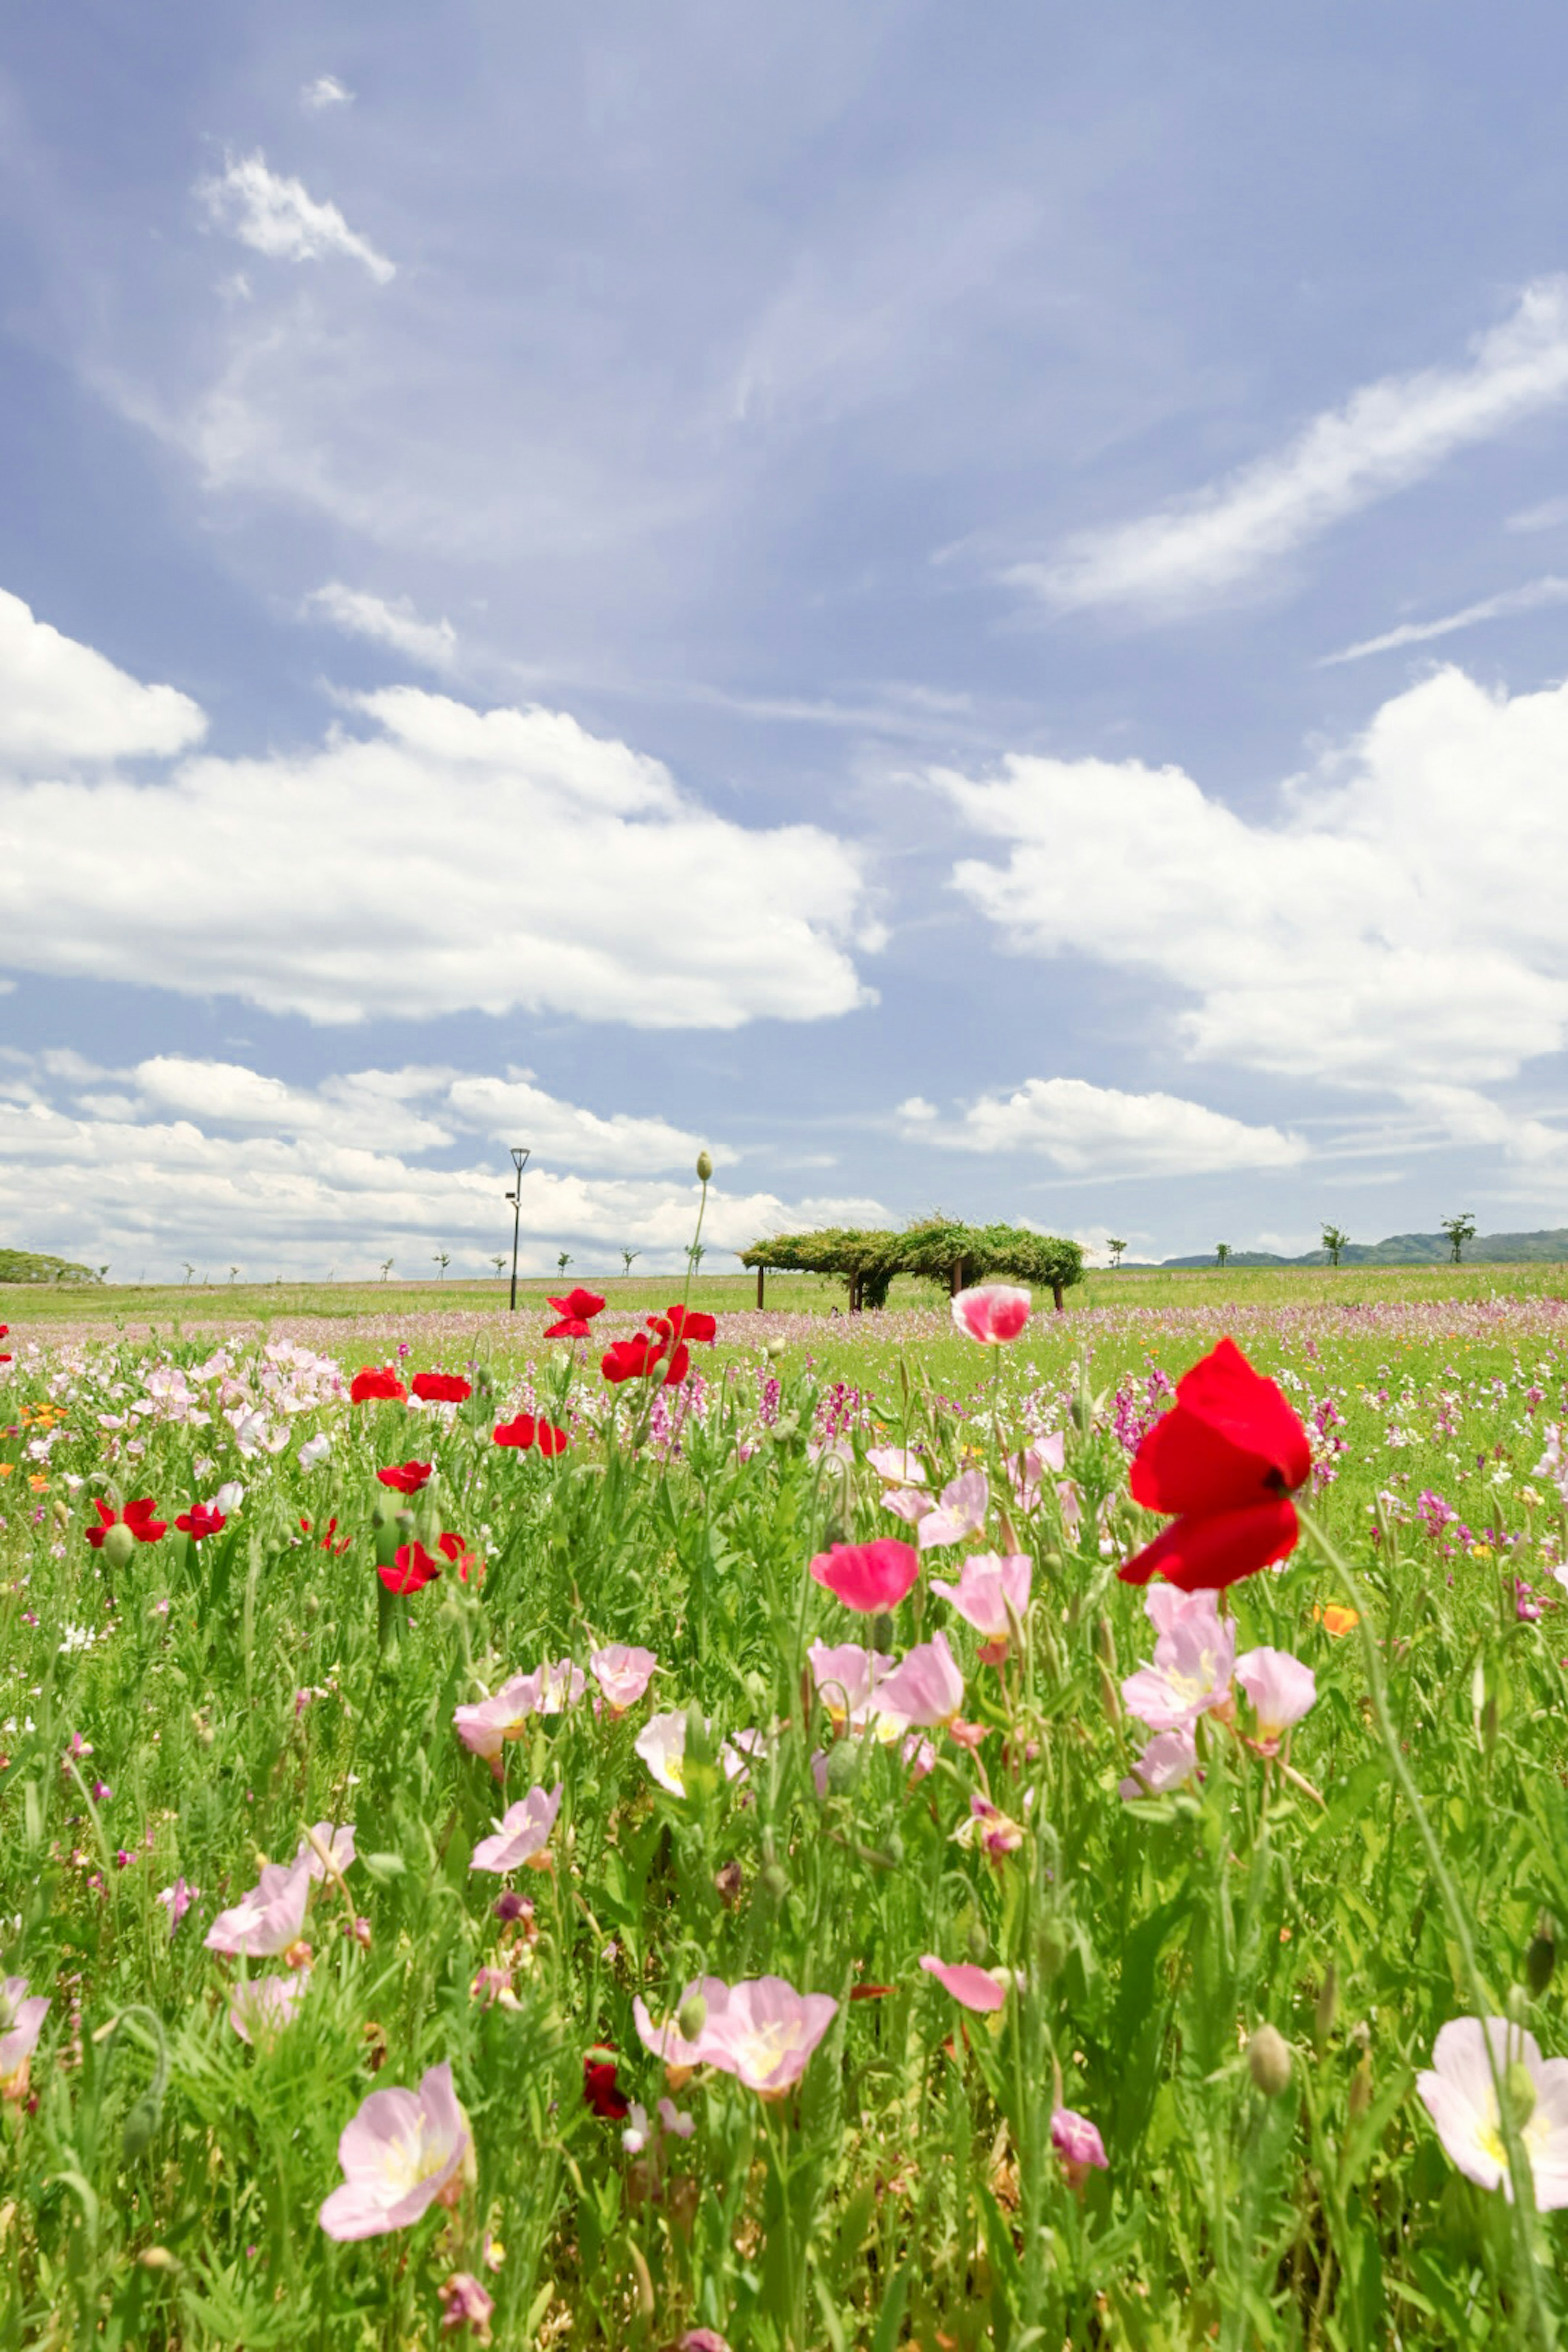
762,1271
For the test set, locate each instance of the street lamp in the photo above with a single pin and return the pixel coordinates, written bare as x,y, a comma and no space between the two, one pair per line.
520,1161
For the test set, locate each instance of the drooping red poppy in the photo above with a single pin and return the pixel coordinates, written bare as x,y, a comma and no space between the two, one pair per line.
517,1432
201,1520
1225,1459
441,1388
687,1323
412,1568
599,2087
455,1552
575,1311
373,1382
407,1477
137,1517
628,1359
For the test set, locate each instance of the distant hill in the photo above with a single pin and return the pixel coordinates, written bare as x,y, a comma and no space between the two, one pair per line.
1414,1249
30,1266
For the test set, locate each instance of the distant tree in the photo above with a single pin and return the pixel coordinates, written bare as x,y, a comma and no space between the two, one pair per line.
500,1265
232,1272
103,1273
386,1265
1221,1252
1334,1241
695,1256
443,1258
190,1269
563,1260
626,1257
1116,1249
1459,1231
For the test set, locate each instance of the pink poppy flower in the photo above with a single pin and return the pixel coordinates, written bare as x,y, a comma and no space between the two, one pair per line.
848,1678
899,1467
926,1686
267,1920
992,1313
971,1988
21,2023
1192,1660
1079,2144
398,2155
868,1577
961,1512
523,1833
1458,2094
177,1900
1279,1688
992,1593
1170,1758
667,2041
263,2006
764,2033
338,1844
623,1673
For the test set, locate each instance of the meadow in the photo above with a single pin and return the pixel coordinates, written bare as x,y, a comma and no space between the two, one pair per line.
751,1968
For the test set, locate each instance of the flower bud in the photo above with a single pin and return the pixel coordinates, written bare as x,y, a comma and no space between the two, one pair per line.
842,1768
119,1546
691,2017
883,1631
775,1351
704,1167
1541,1957
979,1943
1327,2002
1361,2087
1051,1942
775,1883
1521,2092
1268,2062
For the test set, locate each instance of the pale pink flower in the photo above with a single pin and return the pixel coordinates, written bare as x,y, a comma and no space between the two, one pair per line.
990,1829
487,1726
21,2021
925,1688
177,1900
523,1833
910,1504
623,1673
1170,1758
338,1844
556,1686
1026,1470
465,2303
399,2153
764,2033
961,1512
976,1988
661,1744
267,1920
741,1751
1460,2096
675,2120
704,2339
1192,1660
992,1593
1078,2143
897,1467
263,2006
991,1312
667,2041
847,1677
1279,1688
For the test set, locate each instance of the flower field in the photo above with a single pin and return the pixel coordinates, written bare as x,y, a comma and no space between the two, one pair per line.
772,1830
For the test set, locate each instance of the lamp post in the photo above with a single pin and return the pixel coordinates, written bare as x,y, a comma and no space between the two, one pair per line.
520,1161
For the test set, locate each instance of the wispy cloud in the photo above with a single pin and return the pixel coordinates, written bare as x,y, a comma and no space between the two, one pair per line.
1084,1129
361,614
324,92
280,218
1387,436
1548,591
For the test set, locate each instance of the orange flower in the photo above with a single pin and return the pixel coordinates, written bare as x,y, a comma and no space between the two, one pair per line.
1335,1620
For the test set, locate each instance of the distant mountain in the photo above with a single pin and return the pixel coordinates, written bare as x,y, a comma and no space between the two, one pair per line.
29,1266
1414,1249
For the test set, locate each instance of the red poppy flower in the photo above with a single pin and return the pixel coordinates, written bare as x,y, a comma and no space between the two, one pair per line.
407,1477
201,1520
332,1541
412,1568
576,1311
455,1552
550,1440
627,1359
599,2087
517,1432
372,1383
1225,1459
441,1388
137,1517
5,1329
687,1323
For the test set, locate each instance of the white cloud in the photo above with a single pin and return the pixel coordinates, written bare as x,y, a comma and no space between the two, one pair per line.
280,218
325,91
1387,436
450,860
1535,593
1400,925
1098,1130
360,615
1547,515
320,1183
61,703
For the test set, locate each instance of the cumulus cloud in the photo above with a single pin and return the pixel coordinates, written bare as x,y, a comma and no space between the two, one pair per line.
280,218
1387,436
333,1176
61,703
325,91
1086,1130
1398,924
1534,592
448,860
360,615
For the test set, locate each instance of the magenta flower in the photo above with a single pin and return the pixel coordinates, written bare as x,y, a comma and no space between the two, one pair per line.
926,1686
868,1577
667,2041
1460,2096
961,1512
992,1593
1279,1689
1170,1758
267,1920
263,2006
1079,2144
21,2021
623,1673
401,2151
1192,1660
466,2303
990,1829
765,2032
177,1900
971,1988
992,1313
523,1833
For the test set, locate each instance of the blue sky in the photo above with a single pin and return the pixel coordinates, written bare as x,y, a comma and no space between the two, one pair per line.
966,606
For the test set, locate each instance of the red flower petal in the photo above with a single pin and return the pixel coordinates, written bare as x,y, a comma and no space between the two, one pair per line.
412,1568
373,1382
1230,1439
441,1388
517,1432
407,1477
1206,1551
